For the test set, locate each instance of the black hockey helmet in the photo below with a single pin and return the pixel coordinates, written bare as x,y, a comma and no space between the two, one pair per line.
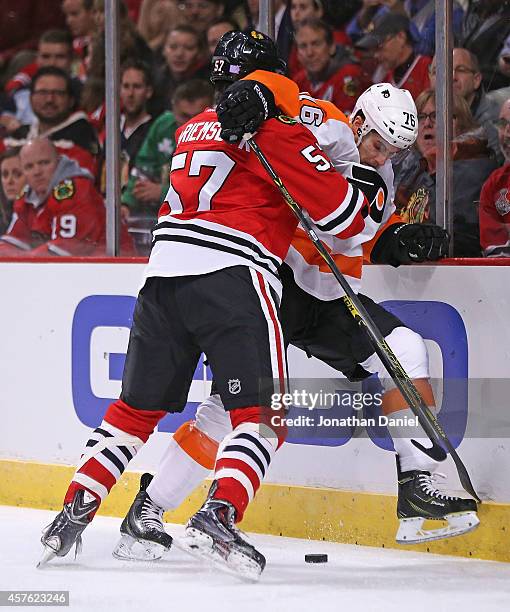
239,53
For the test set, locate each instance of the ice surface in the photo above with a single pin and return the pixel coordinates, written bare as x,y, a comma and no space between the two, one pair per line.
355,578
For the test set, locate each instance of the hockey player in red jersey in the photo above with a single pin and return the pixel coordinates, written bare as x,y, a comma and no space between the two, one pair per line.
212,286
377,130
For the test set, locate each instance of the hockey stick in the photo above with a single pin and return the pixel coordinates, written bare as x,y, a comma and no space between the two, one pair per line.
401,379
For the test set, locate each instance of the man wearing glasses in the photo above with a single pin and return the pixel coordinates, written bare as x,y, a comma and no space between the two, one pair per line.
53,103
467,82
392,42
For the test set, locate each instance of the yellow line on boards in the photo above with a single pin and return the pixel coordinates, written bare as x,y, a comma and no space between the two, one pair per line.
302,512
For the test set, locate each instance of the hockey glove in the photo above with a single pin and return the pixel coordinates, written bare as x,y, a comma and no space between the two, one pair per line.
242,109
411,243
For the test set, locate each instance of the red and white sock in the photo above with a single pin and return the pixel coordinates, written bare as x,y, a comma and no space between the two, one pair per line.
111,446
244,457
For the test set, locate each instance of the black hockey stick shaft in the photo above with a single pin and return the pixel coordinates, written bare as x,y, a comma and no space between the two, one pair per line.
400,377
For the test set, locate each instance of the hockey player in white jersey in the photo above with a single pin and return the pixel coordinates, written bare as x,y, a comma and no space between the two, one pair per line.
314,317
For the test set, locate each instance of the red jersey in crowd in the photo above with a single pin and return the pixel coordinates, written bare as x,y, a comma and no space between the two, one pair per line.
294,66
494,213
342,87
413,76
69,221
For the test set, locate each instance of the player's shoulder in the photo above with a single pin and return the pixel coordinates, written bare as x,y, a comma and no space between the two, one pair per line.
207,115
322,110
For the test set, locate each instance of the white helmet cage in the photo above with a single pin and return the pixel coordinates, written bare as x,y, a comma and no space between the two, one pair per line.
389,111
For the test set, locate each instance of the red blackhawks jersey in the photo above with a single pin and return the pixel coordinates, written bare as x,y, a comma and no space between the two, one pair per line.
70,221
222,209
495,213
342,88
333,133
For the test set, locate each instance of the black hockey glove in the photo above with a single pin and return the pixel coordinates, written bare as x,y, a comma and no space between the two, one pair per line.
407,243
242,109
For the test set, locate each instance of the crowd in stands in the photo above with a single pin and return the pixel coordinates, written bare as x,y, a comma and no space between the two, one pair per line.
52,107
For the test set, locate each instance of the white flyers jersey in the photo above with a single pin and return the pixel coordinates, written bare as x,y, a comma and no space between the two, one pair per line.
332,130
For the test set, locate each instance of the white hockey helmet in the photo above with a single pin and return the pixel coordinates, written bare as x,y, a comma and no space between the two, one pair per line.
389,111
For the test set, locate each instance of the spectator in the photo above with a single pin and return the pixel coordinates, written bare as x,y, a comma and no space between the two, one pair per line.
55,48
60,213
467,82
148,179
392,42
135,93
52,101
495,197
79,15
156,17
423,17
201,13
131,45
472,164
330,72
12,183
185,58
486,26
216,30
369,13
299,11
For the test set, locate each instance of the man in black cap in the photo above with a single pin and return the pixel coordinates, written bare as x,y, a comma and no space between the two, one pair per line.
392,42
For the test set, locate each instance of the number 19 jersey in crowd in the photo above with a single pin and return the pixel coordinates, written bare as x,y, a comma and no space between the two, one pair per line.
222,209
334,135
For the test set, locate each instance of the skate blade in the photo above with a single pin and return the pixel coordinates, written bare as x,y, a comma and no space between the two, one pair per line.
48,555
459,523
131,549
201,545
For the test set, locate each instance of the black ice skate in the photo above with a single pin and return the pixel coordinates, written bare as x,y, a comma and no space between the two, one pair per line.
211,533
419,500
143,536
65,531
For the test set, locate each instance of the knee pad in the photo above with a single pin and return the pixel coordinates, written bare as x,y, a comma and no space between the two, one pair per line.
196,444
410,350
212,418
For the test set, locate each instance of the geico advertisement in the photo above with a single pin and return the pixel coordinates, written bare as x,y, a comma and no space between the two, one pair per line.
321,412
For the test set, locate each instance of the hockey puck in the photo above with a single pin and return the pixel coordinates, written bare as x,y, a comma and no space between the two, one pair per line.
316,558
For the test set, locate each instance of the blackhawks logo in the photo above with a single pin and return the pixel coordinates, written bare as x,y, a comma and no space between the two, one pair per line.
350,87
64,190
503,202
287,120
256,35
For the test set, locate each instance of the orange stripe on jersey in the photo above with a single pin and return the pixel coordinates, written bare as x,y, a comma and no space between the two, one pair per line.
348,265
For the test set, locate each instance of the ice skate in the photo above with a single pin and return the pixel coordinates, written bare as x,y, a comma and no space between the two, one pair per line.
211,533
420,500
66,529
143,535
